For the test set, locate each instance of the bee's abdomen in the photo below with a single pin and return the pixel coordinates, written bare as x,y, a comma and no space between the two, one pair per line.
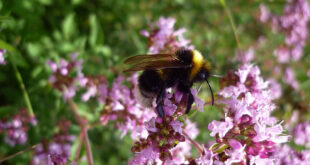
149,84
150,81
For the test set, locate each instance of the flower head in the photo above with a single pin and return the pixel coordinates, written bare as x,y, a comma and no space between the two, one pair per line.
248,131
16,128
56,151
61,78
163,37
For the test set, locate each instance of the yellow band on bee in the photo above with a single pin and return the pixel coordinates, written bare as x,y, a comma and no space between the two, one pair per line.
197,63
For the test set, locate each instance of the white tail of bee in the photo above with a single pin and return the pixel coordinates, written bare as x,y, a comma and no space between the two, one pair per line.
143,98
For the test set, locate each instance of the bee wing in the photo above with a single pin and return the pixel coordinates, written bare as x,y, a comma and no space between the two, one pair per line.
156,65
149,57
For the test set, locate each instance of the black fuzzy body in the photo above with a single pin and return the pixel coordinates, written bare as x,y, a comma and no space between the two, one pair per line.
152,81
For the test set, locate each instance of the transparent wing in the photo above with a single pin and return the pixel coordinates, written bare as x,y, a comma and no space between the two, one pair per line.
149,58
156,65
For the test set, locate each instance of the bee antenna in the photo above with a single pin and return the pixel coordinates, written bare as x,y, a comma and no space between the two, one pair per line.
217,75
211,91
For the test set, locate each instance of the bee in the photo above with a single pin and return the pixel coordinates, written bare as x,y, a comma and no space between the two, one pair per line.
182,68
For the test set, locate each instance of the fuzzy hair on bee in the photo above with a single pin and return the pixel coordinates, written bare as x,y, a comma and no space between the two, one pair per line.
182,68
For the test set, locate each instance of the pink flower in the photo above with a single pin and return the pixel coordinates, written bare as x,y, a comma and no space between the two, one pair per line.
275,89
56,151
150,125
16,128
200,103
308,73
237,154
61,78
293,24
177,126
282,54
245,56
289,78
163,37
206,158
220,127
2,61
248,129
264,13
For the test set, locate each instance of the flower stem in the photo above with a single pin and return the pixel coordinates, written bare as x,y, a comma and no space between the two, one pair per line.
231,20
22,86
77,153
195,144
18,153
83,125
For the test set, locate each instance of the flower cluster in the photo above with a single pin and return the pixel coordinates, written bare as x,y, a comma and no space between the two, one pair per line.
247,133
96,87
56,151
301,134
166,136
2,61
293,24
17,127
288,156
162,36
121,104
62,78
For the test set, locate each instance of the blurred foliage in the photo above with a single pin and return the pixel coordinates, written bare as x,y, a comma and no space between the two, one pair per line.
104,32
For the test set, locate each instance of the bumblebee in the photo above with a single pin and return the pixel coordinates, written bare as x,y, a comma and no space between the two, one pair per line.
182,68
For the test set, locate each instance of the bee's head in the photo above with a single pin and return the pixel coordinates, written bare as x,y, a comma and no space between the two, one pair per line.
203,73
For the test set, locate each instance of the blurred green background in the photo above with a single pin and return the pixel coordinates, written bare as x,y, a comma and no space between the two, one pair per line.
104,33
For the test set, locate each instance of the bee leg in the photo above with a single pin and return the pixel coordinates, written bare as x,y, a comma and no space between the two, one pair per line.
159,101
190,101
160,110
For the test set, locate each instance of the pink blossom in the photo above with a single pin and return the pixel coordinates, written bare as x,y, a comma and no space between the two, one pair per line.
289,78
220,127
275,89
2,61
293,24
56,151
177,126
282,54
206,158
150,125
200,103
61,78
264,13
288,156
308,73
164,38
301,134
237,154
16,128
245,56
248,108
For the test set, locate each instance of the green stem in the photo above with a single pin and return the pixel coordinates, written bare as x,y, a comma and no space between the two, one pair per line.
18,153
22,86
231,20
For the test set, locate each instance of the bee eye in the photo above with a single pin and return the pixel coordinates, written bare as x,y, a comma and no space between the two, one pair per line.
202,75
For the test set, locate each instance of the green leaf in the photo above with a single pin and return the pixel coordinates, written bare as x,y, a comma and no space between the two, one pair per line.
191,112
4,18
68,26
96,35
8,47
